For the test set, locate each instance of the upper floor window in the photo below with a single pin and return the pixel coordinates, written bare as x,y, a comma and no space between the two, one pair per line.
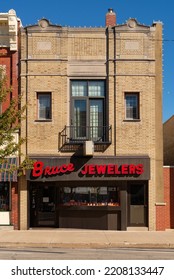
88,109
132,106
44,105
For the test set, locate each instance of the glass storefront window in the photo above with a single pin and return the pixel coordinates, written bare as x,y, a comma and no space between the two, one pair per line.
90,196
4,196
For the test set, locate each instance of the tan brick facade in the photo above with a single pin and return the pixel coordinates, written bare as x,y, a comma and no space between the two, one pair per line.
129,58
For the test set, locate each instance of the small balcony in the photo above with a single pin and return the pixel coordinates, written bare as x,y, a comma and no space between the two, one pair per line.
71,138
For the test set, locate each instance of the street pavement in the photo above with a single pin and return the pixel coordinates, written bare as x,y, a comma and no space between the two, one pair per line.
74,238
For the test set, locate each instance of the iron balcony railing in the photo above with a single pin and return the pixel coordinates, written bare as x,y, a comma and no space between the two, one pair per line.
79,134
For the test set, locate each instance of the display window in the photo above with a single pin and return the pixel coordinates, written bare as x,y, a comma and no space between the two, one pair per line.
90,196
4,196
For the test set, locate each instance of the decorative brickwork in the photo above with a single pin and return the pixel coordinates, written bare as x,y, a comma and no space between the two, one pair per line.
126,57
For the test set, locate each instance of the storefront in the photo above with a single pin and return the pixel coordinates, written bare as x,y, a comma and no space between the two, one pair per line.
89,192
8,186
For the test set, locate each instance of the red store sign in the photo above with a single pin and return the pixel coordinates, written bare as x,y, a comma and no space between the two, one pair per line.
88,169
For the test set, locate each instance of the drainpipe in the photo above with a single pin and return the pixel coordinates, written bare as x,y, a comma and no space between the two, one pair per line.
111,23
107,75
115,98
26,100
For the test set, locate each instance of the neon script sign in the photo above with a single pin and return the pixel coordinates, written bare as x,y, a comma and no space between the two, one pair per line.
88,169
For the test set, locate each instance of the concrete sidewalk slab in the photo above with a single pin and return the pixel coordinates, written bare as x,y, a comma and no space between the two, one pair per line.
85,239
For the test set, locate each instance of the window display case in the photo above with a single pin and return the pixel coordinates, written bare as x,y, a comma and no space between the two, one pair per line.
89,196
75,207
90,207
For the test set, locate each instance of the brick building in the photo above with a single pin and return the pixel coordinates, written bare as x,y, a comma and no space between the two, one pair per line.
9,59
93,126
168,137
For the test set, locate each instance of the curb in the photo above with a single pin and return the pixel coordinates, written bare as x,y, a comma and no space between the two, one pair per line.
86,245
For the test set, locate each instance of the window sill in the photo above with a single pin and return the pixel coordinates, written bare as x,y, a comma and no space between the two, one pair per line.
44,120
132,120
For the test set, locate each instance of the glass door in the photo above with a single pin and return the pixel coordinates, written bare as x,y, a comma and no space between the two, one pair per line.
137,205
79,119
87,110
42,205
96,119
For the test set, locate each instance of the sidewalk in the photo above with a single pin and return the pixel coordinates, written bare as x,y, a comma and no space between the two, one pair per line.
72,238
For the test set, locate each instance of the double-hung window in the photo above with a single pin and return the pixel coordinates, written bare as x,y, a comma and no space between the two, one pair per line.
88,109
44,106
132,106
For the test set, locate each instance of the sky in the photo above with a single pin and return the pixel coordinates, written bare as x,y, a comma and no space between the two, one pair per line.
92,13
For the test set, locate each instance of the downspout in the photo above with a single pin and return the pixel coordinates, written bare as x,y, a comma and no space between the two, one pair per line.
108,61
115,100
26,142
107,78
26,97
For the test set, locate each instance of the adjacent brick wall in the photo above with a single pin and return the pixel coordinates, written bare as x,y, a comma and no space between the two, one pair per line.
5,61
165,213
168,136
172,197
9,60
161,215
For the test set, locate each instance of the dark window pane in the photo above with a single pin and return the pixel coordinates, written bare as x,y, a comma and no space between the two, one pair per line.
87,114
137,194
80,118
132,109
96,88
4,197
79,88
96,118
44,106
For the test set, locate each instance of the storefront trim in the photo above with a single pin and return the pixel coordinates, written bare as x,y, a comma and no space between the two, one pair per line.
89,168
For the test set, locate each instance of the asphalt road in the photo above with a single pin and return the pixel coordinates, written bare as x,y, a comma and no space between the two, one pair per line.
85,254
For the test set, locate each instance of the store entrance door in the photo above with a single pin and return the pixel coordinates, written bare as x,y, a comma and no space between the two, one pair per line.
42,205
137,205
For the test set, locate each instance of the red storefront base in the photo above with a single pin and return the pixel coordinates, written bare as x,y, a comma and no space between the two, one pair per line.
165,213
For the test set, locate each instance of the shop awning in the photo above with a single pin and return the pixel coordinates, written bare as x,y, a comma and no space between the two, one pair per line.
5,175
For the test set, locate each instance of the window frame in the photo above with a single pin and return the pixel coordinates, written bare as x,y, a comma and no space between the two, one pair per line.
88,98
137,117
39,118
